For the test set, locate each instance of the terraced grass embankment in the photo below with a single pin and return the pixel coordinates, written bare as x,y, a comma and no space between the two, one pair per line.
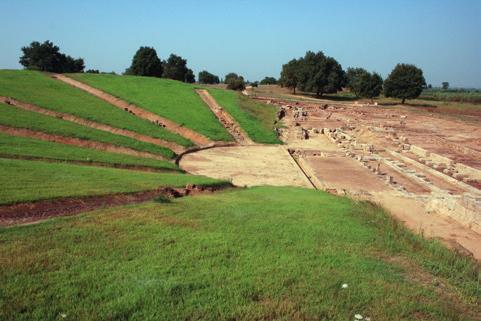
19,118
255,118
40,89
171,99
24,147
24,180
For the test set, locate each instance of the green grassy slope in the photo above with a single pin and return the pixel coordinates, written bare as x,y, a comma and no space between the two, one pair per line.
255,118
38,88
16,117
29,147
34,180
168,98
252,254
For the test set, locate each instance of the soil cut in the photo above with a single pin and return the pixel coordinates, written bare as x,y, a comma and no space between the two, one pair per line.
137,111
225,118
30,212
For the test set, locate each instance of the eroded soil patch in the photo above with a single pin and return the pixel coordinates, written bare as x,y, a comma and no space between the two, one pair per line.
36,211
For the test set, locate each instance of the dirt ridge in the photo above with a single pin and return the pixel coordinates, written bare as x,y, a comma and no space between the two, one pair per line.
23,132
88,123
225,118
30,212
195,137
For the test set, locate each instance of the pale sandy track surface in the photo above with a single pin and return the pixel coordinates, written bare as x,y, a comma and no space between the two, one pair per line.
247,165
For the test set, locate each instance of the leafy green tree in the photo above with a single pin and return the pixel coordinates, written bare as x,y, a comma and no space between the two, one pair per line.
231,75
93,71
189,76
268,81
235,82
290,74
145,63
206,77
353,79
320,74
47,57
364,84
405,82
175,68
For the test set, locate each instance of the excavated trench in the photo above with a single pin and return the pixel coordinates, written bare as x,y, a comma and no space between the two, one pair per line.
31,212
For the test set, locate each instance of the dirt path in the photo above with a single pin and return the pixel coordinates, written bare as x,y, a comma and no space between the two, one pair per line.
137,111
37,211
247,165
225,118
88,123
77,142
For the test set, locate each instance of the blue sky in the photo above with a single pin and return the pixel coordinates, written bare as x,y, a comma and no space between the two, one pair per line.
254,38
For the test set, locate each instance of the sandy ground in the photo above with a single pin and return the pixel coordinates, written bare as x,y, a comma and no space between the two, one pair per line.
327,161
247,165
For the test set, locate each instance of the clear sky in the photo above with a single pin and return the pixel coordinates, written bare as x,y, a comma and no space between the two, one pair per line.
254,38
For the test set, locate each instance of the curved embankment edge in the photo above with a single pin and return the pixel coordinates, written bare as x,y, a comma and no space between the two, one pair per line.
30,212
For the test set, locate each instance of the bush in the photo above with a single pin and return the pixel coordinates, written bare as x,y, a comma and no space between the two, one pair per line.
268,81
206,77
236,84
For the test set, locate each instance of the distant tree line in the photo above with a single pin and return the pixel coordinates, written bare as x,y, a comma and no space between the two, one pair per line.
315,72
268,81
320,74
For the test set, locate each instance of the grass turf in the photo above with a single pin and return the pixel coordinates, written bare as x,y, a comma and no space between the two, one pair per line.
29,147
255,118
38,88
24,180
19,118
254,254
171,99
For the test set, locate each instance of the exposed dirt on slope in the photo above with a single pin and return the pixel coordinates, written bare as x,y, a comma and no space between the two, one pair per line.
225,118
137,111
77,142
88,123
36,211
